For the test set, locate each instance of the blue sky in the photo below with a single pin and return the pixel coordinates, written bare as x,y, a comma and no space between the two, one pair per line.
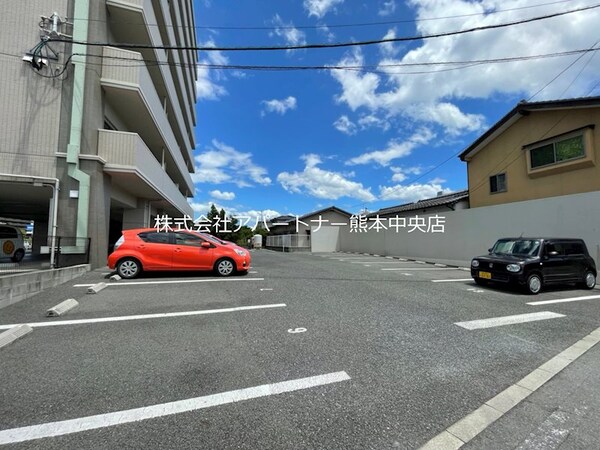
291,142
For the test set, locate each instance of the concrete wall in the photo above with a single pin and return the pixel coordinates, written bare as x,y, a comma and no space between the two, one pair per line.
505,154
31,105
327,239
471,232
14,288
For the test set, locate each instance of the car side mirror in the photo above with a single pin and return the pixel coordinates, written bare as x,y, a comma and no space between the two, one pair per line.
489,250
206,245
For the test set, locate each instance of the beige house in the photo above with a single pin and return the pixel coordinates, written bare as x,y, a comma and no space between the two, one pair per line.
537,150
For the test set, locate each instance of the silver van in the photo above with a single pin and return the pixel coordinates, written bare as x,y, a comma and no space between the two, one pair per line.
11,243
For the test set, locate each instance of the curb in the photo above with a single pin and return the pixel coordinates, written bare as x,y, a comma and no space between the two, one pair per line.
62,308
96,288
13,334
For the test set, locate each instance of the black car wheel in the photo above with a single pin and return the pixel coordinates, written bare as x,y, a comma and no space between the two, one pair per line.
225,267
589,280
18,256
129,268
534,284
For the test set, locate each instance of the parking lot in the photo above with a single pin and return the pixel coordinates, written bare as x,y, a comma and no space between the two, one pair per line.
305,351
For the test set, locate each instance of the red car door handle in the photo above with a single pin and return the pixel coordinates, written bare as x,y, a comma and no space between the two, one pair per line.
177,250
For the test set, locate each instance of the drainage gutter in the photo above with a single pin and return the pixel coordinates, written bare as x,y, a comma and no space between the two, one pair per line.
80,34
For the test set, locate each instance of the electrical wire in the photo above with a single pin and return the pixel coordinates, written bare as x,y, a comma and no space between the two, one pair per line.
327,26
560,73
357,68
332,45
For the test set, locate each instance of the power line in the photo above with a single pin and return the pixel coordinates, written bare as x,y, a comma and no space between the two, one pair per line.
559,74
580,72
356,68
327,26
332,45
367,24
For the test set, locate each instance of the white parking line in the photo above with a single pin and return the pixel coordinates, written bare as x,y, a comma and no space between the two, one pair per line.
451,281
61,428
565,300
145,316
353,258
139,283
420,268
379,262
508,320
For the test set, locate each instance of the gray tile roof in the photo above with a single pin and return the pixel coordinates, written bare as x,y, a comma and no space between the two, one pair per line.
448,199
524,108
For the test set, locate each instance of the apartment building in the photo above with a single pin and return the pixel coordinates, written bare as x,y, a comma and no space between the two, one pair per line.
97,135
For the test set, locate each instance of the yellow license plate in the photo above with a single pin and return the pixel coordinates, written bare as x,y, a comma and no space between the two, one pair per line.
486,275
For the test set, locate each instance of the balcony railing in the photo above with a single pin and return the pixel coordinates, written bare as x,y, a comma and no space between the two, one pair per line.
126,152
121,71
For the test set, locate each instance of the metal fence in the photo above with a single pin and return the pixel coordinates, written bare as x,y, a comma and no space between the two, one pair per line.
289,242
68,251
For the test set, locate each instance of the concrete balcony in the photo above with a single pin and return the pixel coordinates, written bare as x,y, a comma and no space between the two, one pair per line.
140,18
130,90
135,170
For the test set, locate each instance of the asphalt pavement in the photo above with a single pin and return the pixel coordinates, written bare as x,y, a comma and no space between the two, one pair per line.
306,351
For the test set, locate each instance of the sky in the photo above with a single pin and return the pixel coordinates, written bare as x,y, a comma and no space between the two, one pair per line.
296,141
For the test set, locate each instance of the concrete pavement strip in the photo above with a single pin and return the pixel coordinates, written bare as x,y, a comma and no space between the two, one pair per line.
461,432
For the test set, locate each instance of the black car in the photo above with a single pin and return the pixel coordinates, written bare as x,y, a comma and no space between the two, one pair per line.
536,262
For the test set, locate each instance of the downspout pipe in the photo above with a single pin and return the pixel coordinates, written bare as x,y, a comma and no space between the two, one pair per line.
80,34
55,188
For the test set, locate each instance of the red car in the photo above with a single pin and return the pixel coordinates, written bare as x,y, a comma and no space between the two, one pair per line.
149,249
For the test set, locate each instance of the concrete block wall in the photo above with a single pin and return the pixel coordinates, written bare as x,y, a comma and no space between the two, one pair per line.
14,288
471,232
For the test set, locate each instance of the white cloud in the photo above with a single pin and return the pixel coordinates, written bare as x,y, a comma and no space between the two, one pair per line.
221,195
248,217
322,183
207,87
412,192
291,35
400,174
326,32
389,49
395,149
371,120
387,8
345,125
222,163
434,97
279,106
320,8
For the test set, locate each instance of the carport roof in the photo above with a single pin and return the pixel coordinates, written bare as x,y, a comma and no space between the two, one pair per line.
441,200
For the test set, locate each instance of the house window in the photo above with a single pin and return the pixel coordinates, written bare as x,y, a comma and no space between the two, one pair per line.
498,183
557,151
